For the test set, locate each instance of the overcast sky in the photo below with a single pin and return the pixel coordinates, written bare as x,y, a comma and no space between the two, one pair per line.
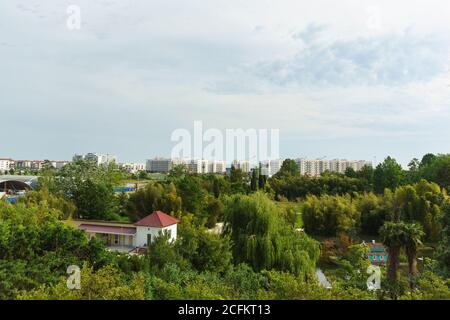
342,79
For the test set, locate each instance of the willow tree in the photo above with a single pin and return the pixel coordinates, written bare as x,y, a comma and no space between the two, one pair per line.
262,238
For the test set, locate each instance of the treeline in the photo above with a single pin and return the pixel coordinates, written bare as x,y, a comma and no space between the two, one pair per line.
389,174
36,247
365,213
260,254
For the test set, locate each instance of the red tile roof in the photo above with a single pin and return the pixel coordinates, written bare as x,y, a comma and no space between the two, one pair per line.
157,219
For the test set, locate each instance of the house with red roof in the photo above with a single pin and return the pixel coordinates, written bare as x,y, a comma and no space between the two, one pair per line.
128,237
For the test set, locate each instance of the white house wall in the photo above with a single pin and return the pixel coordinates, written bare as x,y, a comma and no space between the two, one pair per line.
142,232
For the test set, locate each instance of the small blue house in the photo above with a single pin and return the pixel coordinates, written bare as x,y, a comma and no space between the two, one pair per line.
377,253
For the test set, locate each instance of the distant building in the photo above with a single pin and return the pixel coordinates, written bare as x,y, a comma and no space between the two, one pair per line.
317,167
133,167
243,165
77,157
6,164
59,164
97,158
216,167
377,253
159,165
198,166
29,164
270,167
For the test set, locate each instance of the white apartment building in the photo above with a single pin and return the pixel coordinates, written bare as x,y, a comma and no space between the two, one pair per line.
317,167
216,167
6,164
133,167
59,164
97,158
270,167
29,164
244,165
38,164
198,166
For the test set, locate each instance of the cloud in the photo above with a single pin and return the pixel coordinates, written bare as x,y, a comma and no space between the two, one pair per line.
393,59
310,33
138,70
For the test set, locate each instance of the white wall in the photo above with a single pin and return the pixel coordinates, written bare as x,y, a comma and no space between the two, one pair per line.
142,232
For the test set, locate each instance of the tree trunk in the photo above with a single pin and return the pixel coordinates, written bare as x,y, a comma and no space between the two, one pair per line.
412,261
393,262
412,265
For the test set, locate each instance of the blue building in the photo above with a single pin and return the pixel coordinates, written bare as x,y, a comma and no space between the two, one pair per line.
377,253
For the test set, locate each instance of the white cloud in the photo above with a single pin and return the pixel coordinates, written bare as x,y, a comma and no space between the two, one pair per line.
317,71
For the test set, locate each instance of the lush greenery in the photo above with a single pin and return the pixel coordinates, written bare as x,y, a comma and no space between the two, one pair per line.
276,232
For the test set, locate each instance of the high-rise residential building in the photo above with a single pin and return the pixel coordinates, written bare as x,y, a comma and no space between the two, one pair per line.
319,166
97,158
243,165
132,167
198,166
275,166
29,164
159,165
77,157
6,164
216,167
58,164
270,167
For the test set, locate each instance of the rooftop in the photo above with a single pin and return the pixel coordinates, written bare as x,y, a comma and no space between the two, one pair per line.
157,219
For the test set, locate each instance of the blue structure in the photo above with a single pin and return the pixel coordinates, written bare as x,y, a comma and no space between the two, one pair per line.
377,253
124,189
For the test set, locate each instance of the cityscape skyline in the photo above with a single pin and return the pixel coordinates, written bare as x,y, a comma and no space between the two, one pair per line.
120,160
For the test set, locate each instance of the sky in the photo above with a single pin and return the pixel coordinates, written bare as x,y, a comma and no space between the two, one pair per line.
350,79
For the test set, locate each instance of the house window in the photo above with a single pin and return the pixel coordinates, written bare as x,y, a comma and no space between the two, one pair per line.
169,232
149,239
116,239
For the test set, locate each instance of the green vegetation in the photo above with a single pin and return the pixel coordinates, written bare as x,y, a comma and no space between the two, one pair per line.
261,253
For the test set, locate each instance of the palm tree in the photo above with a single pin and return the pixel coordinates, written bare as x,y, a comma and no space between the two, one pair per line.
393,239
413,233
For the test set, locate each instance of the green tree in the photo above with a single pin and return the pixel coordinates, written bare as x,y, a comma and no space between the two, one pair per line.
394,239
438,170
427,160
262,180
204,250
155,196
387,175
262,238
289,167
443,250
350,172
90,188
239,181
330,215
413,234
192,194
254,180
105,284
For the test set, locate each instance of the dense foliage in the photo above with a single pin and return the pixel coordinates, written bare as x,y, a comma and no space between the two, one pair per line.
277,232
